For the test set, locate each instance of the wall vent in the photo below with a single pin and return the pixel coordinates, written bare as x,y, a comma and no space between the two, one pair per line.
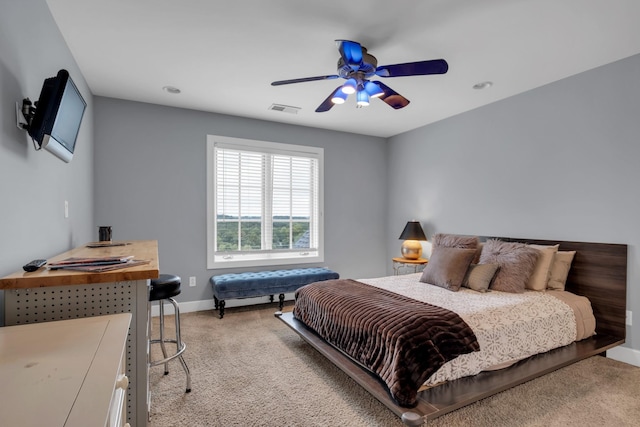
284,108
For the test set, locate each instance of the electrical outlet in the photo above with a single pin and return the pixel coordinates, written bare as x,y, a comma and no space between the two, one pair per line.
192,281
629,319
66,209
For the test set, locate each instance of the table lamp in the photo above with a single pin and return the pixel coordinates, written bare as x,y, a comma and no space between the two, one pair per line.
412,234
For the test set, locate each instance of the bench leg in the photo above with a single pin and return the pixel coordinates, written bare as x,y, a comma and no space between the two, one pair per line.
215,303
281,297
221,304
270,298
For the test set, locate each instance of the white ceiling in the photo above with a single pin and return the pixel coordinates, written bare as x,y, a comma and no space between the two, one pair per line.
223,54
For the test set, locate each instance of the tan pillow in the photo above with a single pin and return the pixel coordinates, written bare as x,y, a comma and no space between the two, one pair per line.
479,276
560,270
516,261
447,267
540,276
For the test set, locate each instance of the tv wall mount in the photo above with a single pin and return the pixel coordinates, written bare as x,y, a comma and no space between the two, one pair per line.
24,117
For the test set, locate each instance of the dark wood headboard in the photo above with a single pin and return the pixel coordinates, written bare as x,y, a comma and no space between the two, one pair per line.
598,272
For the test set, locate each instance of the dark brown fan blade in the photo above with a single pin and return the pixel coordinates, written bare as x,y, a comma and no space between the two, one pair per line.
392,98
327,104
304,79
420,68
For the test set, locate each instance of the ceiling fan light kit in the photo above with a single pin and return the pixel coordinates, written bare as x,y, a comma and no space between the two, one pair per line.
357,67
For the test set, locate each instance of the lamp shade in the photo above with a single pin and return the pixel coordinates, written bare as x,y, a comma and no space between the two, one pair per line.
362,98
412,231
350,86
339,97
373,89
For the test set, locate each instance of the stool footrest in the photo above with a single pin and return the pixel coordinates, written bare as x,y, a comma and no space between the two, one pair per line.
168,358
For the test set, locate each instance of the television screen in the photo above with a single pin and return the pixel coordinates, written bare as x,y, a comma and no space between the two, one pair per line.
58,115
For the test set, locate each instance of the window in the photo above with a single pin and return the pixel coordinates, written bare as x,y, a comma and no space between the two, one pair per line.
264,203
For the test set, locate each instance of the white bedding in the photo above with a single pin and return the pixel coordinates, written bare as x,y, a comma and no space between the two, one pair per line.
509,327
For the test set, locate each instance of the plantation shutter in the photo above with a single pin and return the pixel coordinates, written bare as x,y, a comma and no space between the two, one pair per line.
266,202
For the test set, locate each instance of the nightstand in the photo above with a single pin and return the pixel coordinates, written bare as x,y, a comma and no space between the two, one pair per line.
404,263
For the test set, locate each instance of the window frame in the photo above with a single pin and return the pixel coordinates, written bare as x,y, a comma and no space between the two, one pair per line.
260,258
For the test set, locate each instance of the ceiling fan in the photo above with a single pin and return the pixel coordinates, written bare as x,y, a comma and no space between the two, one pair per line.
357,67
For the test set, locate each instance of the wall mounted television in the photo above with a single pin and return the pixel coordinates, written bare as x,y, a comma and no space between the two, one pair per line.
58,115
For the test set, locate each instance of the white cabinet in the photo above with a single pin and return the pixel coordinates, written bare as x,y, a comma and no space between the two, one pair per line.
64,373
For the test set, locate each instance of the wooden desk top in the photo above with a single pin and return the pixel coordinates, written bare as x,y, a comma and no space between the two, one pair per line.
140,249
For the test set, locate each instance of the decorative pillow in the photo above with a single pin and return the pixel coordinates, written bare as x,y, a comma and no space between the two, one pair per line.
540,276
479,276
454,241
560,270
516,261
447,267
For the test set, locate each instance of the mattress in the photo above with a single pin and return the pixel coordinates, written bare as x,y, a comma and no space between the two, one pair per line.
508,326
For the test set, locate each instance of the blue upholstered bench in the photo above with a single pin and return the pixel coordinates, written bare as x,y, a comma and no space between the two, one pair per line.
263,283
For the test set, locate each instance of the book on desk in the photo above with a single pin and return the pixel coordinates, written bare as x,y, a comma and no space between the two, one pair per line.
97,264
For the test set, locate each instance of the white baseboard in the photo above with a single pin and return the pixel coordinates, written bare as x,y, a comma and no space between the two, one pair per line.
204,305
624,354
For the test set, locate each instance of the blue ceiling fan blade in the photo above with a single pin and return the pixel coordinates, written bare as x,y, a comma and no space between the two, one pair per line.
420,68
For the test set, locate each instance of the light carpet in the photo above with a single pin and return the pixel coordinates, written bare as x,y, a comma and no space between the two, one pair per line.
250,369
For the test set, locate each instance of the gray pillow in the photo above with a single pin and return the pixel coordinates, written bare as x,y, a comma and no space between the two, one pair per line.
479,276
447,267
454,241
516,261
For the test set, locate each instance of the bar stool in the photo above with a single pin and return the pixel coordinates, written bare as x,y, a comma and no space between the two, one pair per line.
163,289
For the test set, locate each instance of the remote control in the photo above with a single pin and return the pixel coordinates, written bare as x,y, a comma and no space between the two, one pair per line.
34,265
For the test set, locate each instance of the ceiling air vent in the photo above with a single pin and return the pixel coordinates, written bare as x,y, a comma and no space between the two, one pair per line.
284,108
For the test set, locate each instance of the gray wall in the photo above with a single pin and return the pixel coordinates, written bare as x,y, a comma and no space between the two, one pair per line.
150,174
34,185
558,162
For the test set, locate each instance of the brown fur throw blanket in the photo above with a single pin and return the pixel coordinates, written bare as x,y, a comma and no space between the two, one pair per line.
402,340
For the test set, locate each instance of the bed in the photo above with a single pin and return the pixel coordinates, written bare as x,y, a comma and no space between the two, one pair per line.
598,272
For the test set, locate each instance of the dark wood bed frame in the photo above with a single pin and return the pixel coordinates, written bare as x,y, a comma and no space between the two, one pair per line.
599,272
